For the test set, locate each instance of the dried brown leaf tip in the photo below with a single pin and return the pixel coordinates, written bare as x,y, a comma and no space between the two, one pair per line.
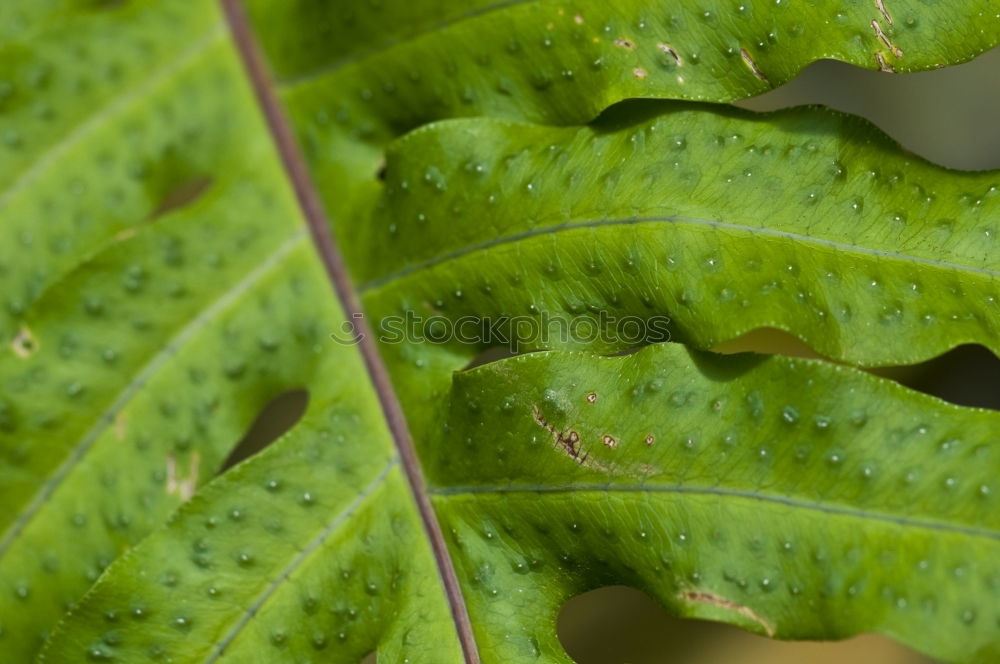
701,597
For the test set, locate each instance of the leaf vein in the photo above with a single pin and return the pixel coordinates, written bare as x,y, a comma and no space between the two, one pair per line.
338,520
168,351
681,489
515,238
106,113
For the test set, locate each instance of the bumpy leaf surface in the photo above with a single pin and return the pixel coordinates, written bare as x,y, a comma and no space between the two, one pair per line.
794,498
144,330
358,75
159,286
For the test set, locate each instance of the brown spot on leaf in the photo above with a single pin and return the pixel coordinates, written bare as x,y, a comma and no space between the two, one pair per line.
24,343
578,19
882,64
885,13
625,43
639,72
748,59
702,597
567,441
650,439
669,50
592,397
183,486
884,38
609,441
120,426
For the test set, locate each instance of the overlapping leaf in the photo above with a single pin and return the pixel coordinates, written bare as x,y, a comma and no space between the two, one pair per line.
159,288
794,498
357,75
722,220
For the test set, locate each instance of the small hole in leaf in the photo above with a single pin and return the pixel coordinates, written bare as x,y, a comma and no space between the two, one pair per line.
183,195
618,624
274,420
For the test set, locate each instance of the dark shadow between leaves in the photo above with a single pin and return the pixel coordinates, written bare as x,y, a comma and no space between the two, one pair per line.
276,418
618,624
722,368
968,375
635,112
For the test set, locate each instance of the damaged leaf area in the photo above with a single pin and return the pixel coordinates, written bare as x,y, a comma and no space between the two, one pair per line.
728,605
790,497
198,201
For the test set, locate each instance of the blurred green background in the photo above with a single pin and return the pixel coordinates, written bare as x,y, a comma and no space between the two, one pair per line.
951,117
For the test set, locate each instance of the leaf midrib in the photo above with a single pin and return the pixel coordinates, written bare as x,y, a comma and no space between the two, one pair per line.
514,238
299,559
684,489
79,451
319,226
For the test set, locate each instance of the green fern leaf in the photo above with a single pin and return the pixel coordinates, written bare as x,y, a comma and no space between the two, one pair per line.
166,270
